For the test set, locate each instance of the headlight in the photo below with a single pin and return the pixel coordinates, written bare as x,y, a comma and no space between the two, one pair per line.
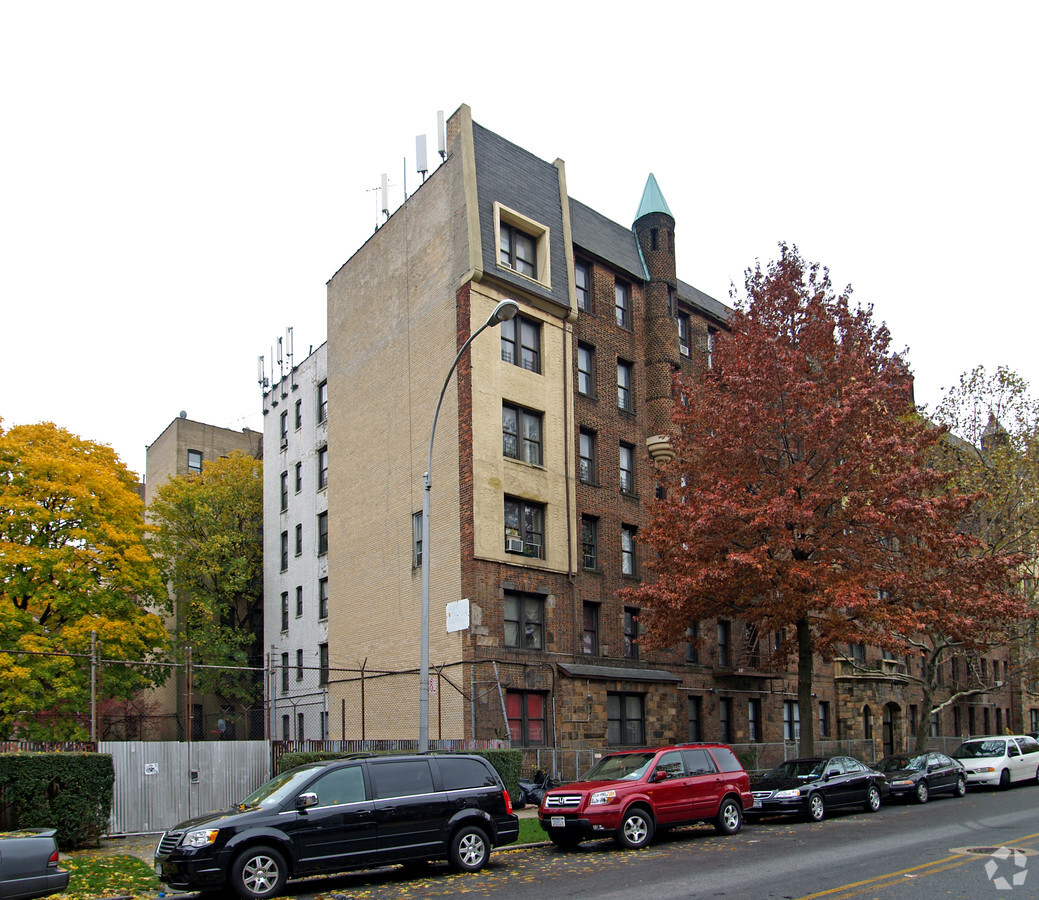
986,769
200,838
905,782
787,795
600,797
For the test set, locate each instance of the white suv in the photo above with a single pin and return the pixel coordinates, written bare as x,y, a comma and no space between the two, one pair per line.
1000,760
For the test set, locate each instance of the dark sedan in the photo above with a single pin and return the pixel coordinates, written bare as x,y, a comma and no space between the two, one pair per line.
919,775
810,787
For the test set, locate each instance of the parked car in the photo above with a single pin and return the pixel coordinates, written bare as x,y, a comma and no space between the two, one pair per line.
919,775
351,813
999,760
29,864
809,787
631,794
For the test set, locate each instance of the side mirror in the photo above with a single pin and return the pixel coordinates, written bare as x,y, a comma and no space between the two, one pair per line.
660,775
305,801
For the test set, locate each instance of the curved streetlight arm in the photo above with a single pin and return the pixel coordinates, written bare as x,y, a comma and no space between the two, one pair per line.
503,312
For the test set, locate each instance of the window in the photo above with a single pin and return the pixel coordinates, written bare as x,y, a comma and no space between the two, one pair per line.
526,713
299,477
299,540
791,721
299,414
627,469
586,456
591,628
867,723
936,724
724,644
322,598
824,718
195,462
692,644
712,334
524,621
524,528
284,550
284,610
299,600
683,333
628,550
695,718
322,468
622,301
1033,719
299,665
631,633
402,778
754,719
286,734
416,539
322,663
857,653
521,343
322,534
585,370
299,726
521,434
322,401
324,725
583,286
284,491
725,719
285,673
518,250
625,400
625,719
589,542
284,429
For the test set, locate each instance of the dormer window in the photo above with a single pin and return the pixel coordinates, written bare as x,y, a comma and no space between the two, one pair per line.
521,245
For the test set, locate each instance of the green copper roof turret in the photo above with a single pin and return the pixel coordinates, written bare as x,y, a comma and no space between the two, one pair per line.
652,200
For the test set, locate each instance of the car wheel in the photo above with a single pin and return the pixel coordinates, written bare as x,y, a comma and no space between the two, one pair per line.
815,811
469,849
730,817
564,840
872,799
923,794
961,786
1004,779
259,872
636,829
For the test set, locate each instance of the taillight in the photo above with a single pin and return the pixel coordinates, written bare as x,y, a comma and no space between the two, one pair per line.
53,861
508,802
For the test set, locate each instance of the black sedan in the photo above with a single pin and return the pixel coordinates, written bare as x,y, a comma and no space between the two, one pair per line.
29,864
809,787
919,775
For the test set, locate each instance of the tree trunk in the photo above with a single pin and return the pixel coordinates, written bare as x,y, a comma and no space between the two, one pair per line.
923,726
805,679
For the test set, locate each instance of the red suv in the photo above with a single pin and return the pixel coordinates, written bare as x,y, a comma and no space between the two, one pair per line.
632,793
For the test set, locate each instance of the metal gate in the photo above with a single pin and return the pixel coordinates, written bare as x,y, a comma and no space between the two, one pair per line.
158,784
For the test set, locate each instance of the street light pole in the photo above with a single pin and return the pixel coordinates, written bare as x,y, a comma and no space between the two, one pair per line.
503,312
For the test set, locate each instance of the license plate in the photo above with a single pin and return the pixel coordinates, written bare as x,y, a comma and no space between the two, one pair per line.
558,822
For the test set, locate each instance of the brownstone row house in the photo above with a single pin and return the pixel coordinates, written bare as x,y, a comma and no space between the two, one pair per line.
542,466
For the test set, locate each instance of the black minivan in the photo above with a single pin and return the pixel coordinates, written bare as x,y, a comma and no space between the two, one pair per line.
342,814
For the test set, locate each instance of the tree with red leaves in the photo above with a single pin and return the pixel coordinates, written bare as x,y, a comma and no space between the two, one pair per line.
801,496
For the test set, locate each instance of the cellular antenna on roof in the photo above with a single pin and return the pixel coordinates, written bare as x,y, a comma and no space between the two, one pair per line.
441,135
384,188
421,166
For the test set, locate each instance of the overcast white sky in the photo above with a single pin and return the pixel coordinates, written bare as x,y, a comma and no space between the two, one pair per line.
179,181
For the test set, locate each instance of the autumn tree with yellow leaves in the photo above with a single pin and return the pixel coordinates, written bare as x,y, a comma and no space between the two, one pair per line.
74,568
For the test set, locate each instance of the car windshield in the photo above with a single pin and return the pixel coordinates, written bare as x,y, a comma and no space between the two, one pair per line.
278,789
975,749
902,763
622,767
799,768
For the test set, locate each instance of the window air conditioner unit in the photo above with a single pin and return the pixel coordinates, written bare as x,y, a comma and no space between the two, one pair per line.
513,545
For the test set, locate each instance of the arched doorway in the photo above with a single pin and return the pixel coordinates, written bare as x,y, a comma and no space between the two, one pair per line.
892,727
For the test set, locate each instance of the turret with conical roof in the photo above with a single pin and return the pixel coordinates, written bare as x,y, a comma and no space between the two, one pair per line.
655,231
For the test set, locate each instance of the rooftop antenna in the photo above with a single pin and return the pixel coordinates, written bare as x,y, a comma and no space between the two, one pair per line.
441,135
385,202
261,378
420,156
289,354
281,358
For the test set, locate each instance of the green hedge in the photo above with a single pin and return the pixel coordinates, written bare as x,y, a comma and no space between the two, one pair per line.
506,762
71,792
